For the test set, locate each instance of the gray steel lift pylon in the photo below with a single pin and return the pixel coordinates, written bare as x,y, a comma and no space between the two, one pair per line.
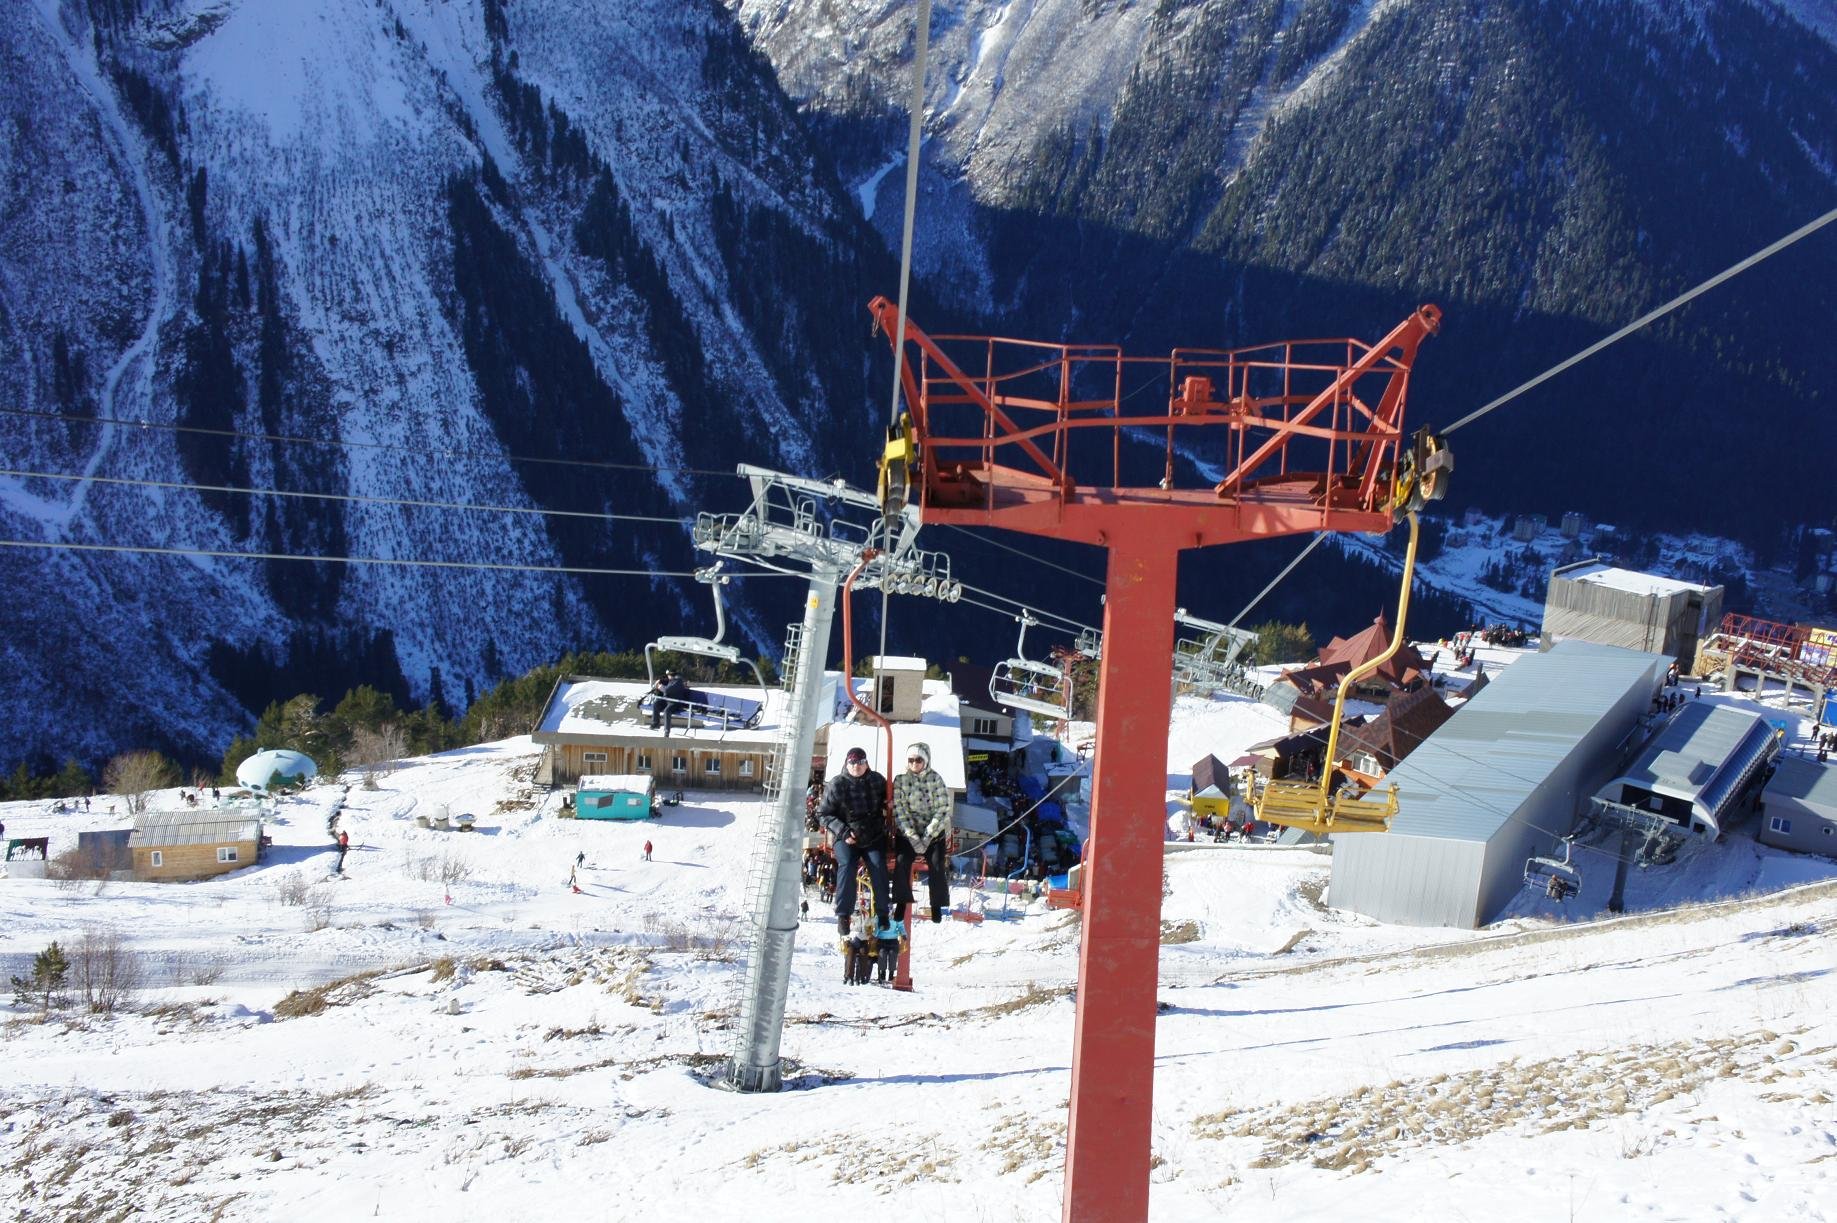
784,530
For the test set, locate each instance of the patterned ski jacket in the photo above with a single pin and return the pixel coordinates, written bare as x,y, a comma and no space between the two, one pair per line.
921,806
857,805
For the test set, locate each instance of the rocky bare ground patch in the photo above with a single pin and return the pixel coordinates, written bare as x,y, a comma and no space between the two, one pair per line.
1352,1132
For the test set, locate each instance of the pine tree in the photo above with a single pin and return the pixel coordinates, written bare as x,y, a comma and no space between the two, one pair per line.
44,988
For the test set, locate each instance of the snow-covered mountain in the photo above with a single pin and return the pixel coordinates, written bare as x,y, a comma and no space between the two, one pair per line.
447,236
455,236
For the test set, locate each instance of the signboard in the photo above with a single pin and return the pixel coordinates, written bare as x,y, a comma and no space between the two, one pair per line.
1820,648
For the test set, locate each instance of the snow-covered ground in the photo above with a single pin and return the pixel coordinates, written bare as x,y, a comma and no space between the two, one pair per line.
526,1052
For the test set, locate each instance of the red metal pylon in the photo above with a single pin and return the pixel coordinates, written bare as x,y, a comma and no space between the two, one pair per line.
1310,434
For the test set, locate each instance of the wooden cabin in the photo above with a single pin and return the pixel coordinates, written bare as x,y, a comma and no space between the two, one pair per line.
178,845
594,727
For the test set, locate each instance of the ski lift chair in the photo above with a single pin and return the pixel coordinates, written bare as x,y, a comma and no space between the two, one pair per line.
727,711
1556,878
1034,687
1421,477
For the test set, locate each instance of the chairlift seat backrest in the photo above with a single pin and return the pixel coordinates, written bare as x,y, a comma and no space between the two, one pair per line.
1034,687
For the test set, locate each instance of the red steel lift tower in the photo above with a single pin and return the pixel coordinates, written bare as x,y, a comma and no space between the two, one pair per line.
1309,434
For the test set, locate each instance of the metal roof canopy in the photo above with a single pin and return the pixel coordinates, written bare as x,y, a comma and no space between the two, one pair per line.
1468,778
1704,756
160,829
1810,785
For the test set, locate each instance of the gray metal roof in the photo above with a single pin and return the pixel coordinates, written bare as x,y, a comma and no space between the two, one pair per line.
1470,776
1806,782
158,829
1703,756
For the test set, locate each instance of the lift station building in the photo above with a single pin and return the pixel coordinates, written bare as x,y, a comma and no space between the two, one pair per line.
1591,601
1499,782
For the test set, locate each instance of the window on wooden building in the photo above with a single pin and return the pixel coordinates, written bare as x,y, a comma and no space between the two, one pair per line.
226,853
644,762
593,757
714,765
158,859
746,770
679,765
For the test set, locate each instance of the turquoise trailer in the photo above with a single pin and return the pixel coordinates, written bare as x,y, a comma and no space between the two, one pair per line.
613,798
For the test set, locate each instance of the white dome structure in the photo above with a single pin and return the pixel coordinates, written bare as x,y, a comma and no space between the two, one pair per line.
275,766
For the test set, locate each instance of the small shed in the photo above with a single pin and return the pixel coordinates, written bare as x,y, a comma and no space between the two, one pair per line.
898,687
105,850
1211,789
1799,807
614,797
174,845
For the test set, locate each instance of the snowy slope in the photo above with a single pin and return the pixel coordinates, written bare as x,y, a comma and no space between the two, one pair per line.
499,1046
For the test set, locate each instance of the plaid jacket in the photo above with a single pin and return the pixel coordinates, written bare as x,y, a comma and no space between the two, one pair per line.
921,807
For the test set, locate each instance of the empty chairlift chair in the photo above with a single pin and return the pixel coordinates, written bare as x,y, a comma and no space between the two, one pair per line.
1035,687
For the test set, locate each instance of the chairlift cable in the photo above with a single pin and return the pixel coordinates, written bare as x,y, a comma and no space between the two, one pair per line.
1021,552
148,549
422,452
1733,270
1287,569
1643,320
346,497
914,130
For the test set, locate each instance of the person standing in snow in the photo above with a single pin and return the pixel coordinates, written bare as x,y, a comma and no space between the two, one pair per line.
344,847
854,811
647,851
859,959
890,939
921,812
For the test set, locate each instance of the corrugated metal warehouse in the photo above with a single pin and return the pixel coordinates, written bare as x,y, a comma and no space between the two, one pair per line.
1497,783
1590,601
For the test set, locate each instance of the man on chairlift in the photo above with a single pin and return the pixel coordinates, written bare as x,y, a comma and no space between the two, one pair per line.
669,696
854,811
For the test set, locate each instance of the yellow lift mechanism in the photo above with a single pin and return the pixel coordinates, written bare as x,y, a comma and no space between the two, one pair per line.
1312,806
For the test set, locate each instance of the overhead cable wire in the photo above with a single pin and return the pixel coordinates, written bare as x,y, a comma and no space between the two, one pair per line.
1651,316
914,131
1273,582
425,452
345,497
1040,560
1044,617
148,549
1733,270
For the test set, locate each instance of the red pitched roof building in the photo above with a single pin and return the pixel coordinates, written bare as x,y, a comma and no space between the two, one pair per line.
1318,682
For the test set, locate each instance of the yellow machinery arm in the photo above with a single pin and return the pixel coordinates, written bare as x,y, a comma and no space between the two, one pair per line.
1313,807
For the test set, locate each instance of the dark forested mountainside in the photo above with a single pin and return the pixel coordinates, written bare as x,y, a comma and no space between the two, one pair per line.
1545,170
390,252
502,252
